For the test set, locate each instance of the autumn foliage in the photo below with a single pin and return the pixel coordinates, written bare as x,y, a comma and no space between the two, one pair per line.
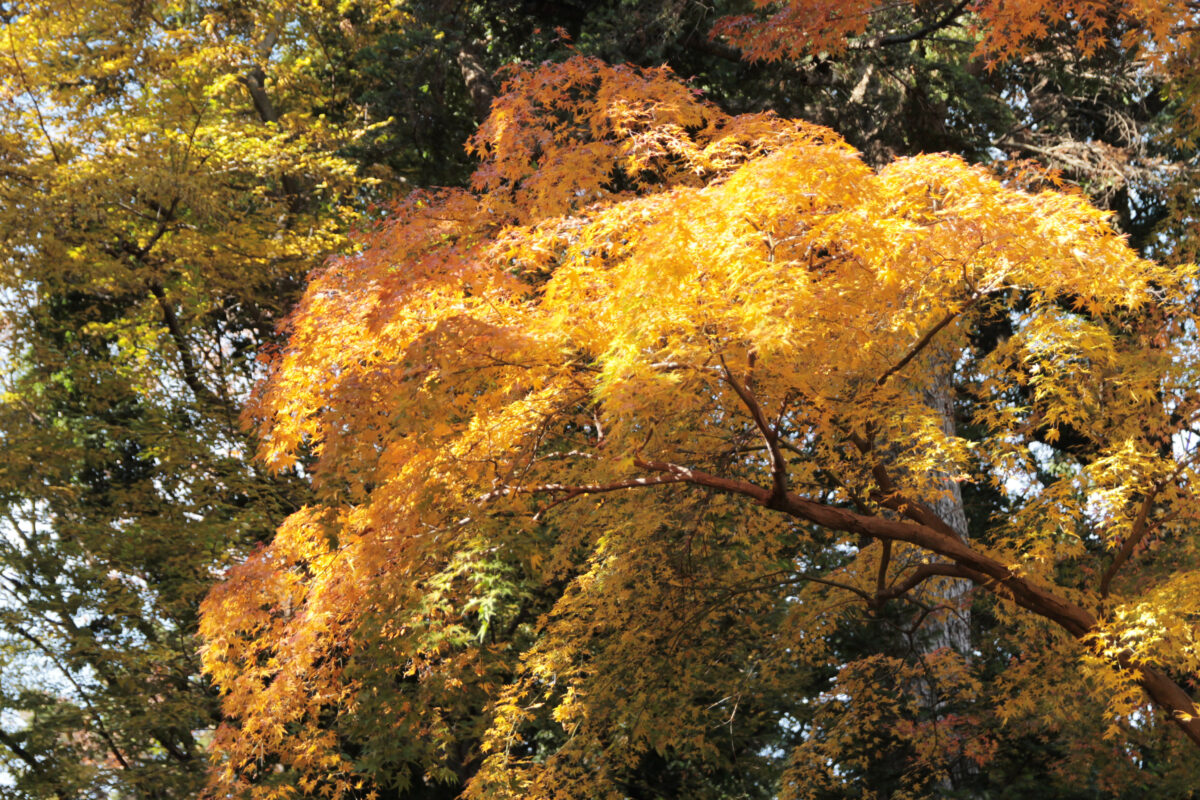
611,445
1157,30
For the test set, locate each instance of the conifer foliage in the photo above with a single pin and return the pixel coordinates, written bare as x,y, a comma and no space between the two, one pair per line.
608,447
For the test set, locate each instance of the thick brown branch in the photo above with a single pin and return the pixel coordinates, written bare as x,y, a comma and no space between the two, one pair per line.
962,562
890,497
981,569
1168,695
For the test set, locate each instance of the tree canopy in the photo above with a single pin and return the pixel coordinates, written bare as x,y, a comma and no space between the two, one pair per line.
687,449
675,366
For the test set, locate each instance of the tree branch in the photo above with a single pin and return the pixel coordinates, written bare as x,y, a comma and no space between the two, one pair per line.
904,38
890,497
884,560
255,82
101,728
20,752
924,341
1140,528
191,375
922,573
769,436
1136,533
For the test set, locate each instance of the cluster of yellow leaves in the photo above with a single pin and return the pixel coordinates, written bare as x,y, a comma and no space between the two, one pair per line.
499,372
167,147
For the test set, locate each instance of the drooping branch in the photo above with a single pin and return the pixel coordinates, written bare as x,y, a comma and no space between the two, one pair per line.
101,728
986,571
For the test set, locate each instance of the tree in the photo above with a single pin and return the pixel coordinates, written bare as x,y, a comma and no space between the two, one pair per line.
166,180
671,365
169,172
1103,93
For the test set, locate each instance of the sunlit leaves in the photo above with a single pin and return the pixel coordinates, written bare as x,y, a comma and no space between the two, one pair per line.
581,377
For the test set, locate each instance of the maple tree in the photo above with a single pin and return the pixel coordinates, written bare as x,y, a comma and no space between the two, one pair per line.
170,171
672,366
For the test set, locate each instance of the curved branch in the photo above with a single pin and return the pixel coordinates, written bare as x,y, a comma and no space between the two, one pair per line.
904,38
769,435
922,573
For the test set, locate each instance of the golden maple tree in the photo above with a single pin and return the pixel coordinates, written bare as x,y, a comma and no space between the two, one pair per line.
675,366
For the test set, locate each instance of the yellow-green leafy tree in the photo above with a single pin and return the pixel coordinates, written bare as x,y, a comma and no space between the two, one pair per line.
166,182
673,367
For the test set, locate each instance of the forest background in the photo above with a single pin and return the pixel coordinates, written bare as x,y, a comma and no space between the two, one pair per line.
172,173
